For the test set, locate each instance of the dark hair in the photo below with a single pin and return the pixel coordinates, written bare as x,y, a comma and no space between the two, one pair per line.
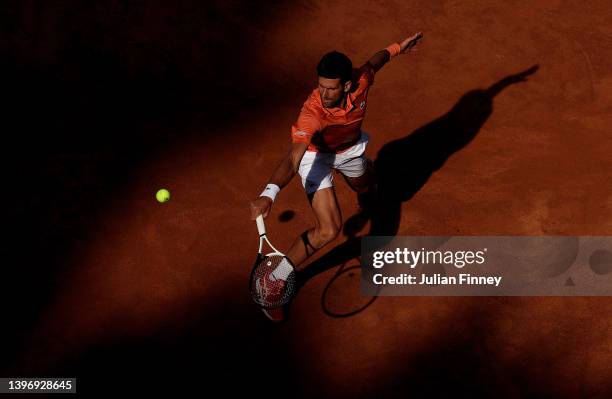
335,65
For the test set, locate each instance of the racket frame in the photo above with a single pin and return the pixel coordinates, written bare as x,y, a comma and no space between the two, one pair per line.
261,228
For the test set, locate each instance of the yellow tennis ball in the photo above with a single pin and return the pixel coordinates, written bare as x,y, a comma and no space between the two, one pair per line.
163,195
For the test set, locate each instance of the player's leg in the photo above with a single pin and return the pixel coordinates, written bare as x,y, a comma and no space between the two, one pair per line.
359,174
316,173
357,170
360,183
328,222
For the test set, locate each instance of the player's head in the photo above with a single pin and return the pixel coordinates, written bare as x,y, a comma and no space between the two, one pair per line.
334,78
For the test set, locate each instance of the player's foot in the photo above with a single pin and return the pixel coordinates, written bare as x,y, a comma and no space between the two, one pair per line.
276,314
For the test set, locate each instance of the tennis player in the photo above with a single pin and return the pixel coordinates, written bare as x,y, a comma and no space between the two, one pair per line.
327,135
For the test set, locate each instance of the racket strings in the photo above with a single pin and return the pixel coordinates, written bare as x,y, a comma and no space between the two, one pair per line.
267,289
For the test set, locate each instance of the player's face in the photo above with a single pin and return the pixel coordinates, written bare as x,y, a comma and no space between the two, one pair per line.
331,91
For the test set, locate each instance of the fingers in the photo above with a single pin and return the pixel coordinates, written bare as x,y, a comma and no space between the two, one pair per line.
266,208
257,209
254,212
410,42
415,38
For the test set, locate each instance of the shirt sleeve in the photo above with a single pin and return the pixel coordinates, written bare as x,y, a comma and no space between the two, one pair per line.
307,124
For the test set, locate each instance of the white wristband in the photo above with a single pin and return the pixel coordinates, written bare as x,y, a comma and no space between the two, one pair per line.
270,191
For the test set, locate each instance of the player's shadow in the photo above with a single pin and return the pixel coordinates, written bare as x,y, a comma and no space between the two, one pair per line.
404,165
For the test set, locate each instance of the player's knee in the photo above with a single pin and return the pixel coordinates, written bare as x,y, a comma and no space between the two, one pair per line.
328,233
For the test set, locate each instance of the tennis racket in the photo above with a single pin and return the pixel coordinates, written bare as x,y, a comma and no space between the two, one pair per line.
268,290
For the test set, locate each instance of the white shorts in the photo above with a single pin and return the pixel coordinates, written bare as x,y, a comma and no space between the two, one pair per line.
316,167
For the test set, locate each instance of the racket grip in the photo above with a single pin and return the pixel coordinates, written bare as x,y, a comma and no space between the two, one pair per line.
261,227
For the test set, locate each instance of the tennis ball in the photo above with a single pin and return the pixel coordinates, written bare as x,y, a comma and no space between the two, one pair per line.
163,195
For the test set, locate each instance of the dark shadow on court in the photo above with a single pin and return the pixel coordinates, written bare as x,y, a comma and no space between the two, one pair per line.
94,91
404,166
203,346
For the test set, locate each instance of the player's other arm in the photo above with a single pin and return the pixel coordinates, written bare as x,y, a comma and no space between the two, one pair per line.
379,59
286,169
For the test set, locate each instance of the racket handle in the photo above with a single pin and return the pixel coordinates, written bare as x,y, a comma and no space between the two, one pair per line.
261,227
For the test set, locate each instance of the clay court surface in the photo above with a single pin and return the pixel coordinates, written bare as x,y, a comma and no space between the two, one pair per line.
112,101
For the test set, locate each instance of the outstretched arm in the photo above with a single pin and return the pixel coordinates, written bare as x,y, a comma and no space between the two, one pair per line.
379,59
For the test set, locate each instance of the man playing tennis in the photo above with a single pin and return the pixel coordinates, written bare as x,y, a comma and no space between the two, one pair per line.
327,135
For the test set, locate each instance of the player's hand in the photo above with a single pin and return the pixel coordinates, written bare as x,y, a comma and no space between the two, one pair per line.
410,42
261,206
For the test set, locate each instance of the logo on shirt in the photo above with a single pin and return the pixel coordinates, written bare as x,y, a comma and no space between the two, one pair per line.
300,133
362,105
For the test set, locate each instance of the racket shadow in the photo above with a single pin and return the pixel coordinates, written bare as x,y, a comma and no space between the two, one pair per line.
341,256
338,311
